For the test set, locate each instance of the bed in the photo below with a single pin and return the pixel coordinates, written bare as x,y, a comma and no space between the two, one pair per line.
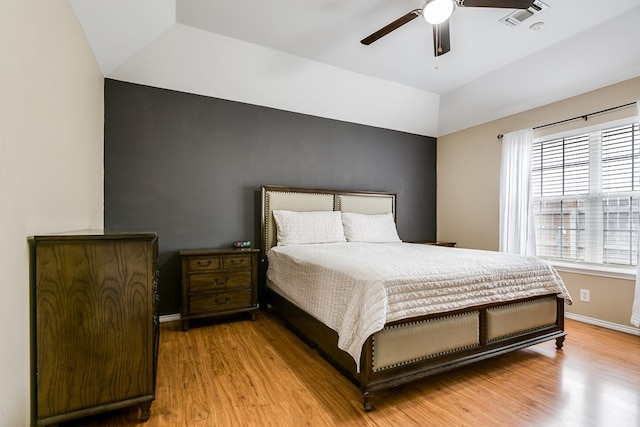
385,312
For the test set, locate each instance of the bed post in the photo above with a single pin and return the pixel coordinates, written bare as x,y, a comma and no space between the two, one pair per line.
560,321
262,262
367,401
366,367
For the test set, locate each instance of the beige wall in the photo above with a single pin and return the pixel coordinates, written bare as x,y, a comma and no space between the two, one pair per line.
468,192
51,162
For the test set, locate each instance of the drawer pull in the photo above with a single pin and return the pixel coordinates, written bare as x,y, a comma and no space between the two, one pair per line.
236,261
204,263
221,301
219,281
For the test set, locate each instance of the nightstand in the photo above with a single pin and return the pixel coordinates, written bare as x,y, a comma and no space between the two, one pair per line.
447,244
218,282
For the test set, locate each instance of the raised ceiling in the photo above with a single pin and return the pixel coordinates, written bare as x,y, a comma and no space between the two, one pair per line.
492,70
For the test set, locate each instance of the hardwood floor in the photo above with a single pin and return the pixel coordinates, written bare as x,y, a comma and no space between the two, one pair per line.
245,373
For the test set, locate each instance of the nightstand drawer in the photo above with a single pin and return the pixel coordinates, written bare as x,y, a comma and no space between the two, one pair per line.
219,301
240,261
219,280
204,263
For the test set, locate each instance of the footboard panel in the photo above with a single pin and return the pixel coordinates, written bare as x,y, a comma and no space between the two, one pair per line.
399,345
522,317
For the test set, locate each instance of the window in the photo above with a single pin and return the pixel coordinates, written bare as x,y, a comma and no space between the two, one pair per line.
586,188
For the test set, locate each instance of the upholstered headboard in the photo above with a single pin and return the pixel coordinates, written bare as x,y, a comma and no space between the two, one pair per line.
306,200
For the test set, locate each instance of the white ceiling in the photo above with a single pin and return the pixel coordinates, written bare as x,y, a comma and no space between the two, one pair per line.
585,44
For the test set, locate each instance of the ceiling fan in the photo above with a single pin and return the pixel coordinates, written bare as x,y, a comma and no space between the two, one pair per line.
437,13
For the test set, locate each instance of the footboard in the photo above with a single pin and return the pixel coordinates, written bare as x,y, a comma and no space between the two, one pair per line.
405,351
416,348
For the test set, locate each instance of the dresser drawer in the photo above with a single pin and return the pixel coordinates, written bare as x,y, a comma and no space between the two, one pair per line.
239,261
219,280
219,301
204,263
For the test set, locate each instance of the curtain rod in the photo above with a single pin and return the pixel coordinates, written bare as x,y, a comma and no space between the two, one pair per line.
583,116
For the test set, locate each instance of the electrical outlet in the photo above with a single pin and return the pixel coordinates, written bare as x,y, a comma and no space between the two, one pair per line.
585,295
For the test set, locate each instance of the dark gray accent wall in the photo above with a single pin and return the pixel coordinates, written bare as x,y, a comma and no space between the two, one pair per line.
191,167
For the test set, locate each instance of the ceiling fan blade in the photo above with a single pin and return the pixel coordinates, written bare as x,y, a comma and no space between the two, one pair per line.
507,4
392,26
441,42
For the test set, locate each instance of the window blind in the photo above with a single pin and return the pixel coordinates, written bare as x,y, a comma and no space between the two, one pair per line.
585,193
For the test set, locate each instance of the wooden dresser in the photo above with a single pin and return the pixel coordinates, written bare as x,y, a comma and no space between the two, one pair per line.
95,323
218,282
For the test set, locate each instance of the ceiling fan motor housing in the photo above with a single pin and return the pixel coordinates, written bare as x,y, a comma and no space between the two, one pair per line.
437,11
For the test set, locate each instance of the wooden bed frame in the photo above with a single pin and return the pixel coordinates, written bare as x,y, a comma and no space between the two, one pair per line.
413,348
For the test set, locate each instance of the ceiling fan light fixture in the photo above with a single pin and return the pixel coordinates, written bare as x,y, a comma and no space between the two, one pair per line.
437,11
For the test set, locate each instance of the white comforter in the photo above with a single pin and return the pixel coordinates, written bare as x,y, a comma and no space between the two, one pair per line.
355,288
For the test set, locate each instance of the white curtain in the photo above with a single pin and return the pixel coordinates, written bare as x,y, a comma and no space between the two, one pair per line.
517,229
635,311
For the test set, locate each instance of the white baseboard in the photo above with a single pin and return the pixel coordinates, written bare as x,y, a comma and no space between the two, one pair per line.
609,325
170,317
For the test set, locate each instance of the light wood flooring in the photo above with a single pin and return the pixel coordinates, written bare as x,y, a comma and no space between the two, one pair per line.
244,373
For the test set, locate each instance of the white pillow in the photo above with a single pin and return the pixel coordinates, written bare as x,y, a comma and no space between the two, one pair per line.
370,228
296,228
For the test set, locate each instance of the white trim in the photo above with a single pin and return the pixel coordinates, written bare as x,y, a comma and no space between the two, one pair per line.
603,323
628,273
635,308
170,317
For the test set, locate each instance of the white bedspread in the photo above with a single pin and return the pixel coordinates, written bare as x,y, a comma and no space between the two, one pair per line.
355,288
